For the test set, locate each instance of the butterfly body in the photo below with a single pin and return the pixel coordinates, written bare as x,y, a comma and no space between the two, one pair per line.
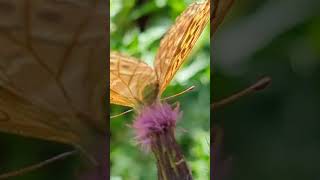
150,94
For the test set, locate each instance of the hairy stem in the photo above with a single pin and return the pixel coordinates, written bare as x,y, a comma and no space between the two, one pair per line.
171,163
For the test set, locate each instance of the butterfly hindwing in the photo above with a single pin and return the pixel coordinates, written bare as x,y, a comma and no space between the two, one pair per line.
128,79
179,41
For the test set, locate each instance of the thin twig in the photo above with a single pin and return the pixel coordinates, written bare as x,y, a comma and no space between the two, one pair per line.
258,86
38,165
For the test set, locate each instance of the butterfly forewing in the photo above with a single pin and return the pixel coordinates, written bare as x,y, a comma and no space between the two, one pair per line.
128,79
179,41
52,52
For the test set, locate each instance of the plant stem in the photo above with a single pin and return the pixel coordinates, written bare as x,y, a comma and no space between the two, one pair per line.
171,163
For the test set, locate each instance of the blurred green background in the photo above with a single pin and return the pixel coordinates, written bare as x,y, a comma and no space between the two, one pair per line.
274,134
136,30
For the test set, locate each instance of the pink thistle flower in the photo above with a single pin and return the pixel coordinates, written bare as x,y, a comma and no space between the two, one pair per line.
154,119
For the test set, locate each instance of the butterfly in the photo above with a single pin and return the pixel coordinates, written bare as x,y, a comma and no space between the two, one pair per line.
133,83
52,72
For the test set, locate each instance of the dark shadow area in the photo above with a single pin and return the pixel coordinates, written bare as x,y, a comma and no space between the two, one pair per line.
272,134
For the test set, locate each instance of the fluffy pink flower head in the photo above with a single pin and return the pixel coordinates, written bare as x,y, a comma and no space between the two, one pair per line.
152,120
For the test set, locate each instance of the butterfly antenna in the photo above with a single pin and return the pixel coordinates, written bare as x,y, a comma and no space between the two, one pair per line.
178,94
38,165
123,113
258,86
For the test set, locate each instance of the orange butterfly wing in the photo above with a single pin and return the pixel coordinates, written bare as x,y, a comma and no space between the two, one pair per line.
128,79
179,41
46,70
